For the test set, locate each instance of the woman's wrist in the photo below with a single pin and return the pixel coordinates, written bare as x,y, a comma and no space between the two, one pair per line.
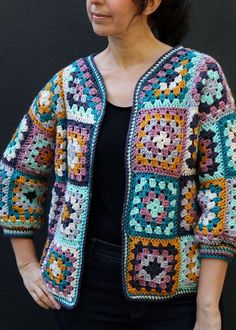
24,250
21,266
207,303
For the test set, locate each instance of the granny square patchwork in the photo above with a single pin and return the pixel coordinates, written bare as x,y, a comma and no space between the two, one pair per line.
59,270
188,209
227,131
211,200
79,139
73,215
180,165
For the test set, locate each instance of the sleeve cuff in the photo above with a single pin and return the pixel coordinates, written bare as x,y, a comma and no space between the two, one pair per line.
22,233
222,251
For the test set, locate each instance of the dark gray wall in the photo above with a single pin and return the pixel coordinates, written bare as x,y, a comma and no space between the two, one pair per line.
37,39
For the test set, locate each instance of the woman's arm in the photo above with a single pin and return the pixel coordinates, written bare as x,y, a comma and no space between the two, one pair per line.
24,250
210,286
211,282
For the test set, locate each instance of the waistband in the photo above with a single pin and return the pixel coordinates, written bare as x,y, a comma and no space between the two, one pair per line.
104,247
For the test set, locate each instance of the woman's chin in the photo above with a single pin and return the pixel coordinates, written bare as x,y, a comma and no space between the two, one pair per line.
101,31
101,34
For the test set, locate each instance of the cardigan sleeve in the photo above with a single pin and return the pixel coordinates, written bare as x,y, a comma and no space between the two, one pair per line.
27,160
216,163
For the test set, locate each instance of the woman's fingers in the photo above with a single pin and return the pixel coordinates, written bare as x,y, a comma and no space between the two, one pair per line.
38,301
43,297
50,296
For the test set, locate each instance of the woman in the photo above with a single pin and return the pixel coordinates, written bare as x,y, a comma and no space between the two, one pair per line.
173,101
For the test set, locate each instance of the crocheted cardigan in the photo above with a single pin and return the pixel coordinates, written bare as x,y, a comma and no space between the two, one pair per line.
180,162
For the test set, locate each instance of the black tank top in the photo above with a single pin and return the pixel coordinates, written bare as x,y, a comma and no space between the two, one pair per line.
108,182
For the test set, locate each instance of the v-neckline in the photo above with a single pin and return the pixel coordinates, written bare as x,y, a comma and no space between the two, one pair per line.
159,61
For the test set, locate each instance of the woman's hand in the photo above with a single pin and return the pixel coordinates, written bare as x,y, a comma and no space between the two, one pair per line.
208,318
36,286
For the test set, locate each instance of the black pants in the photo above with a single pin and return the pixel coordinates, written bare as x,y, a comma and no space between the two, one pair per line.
103,306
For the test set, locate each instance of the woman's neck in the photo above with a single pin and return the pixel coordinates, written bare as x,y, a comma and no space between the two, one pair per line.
132,52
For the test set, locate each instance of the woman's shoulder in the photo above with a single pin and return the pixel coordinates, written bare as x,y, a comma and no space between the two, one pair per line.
75,65
203,57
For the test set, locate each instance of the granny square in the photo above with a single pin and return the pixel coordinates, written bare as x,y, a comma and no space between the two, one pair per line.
153,210
153,266
159,141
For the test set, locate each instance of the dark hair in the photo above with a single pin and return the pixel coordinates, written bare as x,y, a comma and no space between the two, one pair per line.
170,22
